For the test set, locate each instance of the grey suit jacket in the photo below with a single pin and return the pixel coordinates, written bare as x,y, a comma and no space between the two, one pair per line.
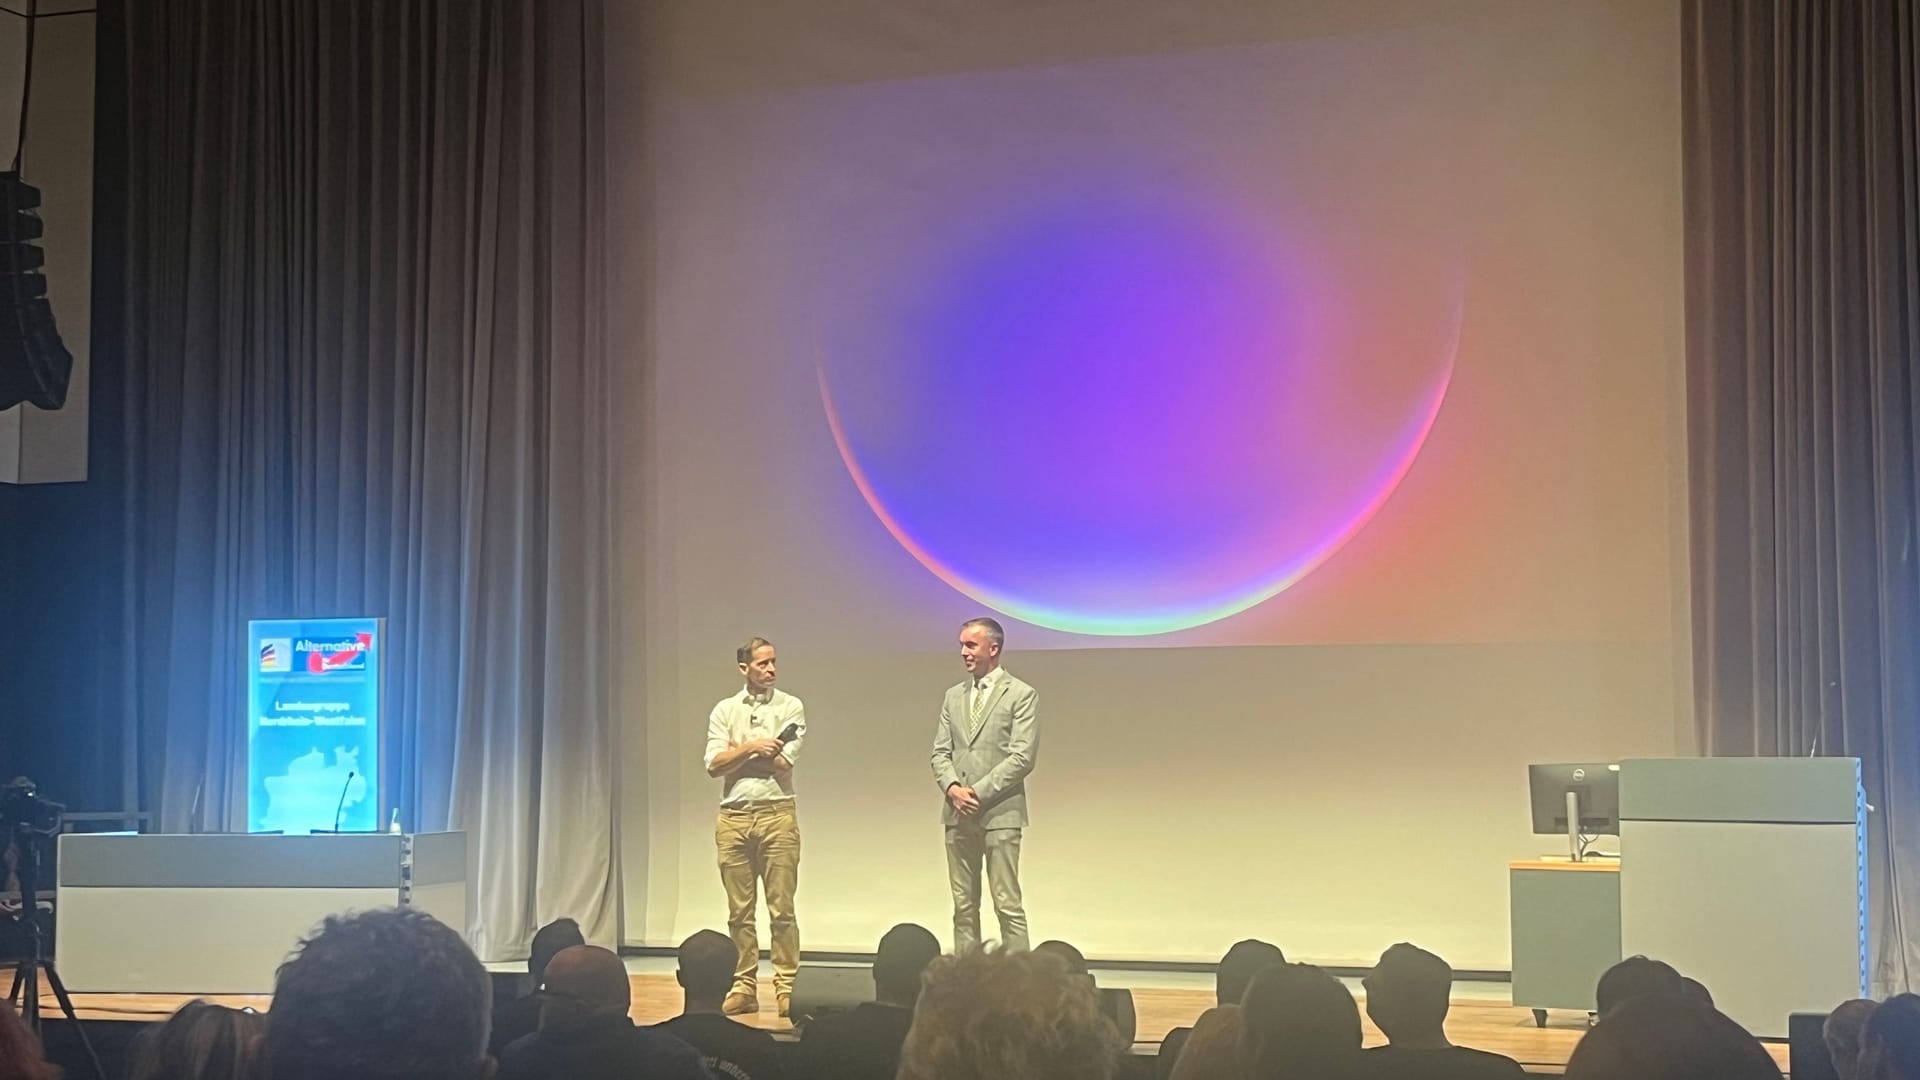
996,760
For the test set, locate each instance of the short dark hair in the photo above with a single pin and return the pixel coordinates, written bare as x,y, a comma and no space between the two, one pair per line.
905,951
201,1041
1238,967
707,960
1890,1039
1076,961
744,654
1632,978
381,994
561,933
1409,988
1669,1037
1300,1021
992,626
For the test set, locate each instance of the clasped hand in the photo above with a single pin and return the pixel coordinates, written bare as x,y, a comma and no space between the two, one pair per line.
965,802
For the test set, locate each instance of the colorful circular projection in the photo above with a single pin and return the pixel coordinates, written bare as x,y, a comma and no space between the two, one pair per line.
1123,419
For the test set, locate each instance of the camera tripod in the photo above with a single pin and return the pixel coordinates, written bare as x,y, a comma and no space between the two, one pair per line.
27,972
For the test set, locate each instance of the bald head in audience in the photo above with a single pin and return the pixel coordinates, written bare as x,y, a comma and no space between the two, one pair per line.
593,976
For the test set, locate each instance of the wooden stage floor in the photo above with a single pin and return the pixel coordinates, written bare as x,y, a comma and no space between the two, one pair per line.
1480,1023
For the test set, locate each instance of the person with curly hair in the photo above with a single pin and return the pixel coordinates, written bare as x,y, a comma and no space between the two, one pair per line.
1007,1016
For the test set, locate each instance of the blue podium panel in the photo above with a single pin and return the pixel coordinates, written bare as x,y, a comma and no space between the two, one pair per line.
313,724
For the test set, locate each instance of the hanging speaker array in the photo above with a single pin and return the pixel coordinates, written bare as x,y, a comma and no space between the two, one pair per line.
34,364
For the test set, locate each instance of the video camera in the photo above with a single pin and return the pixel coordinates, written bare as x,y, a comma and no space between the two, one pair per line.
24,811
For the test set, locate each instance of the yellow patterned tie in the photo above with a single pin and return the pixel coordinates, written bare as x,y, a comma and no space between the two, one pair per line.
979,709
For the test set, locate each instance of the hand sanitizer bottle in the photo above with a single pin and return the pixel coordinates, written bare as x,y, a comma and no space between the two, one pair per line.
394,825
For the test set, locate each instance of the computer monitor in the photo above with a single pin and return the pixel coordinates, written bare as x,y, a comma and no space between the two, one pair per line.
1807,1053
1596,784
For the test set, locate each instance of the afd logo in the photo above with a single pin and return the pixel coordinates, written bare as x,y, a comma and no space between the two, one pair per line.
321,656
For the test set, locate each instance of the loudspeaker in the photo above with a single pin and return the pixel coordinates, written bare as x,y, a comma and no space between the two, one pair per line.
818,990
34,364
1807,1057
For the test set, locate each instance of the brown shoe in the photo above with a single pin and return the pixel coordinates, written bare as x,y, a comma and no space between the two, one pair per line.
738,1003
786,1004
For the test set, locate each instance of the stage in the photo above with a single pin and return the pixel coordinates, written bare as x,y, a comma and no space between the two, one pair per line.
1482,1016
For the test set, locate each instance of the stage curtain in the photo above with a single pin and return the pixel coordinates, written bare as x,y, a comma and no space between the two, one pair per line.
365,374
1803,334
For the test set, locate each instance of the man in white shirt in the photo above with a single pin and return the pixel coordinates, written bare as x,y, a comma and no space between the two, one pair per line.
983,750
753,740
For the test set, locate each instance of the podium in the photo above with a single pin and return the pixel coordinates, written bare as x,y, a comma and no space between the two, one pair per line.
217,914
1748,874
1565,924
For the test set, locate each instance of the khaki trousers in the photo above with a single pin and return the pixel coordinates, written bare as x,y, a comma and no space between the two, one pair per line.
969,845
759,847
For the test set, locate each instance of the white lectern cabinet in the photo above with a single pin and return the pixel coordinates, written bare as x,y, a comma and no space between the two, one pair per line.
1748,874
217,914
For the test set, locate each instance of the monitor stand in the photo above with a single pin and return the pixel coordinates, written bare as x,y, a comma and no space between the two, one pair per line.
1573,826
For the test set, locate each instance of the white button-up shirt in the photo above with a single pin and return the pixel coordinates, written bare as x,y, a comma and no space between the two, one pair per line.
745,717
982,689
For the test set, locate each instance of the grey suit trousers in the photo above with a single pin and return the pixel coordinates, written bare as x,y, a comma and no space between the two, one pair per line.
968,845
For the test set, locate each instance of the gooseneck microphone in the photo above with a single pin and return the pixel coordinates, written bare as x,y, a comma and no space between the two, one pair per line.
343,799
193,812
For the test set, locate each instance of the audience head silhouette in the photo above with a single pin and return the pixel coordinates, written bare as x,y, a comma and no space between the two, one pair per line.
389,993
1890,1041
1633,977
1007,1016
1696,990
549,940
591,976
1069,955
200,1041
1408,992
1669,1037
707,960
1212,1052
1843,1031
20,1052
1238,967
905,951
1300,1022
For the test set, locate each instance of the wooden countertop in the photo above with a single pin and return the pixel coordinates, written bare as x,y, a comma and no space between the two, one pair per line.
1602,866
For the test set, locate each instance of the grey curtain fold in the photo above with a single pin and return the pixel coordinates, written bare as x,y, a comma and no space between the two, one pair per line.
366,374
1803,341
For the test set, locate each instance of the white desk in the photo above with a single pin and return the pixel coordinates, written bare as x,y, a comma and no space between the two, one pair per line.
217,914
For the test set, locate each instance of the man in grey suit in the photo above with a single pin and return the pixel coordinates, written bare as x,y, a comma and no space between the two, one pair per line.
983,750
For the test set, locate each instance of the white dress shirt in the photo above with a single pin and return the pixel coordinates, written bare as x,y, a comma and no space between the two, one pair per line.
743,718
982,690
